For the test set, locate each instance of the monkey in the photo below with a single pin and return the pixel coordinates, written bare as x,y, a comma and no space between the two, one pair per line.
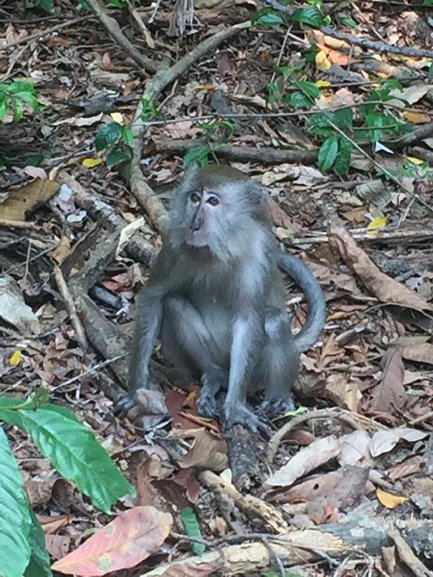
215,297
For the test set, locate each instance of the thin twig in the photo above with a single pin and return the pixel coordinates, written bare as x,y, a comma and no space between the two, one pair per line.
70,305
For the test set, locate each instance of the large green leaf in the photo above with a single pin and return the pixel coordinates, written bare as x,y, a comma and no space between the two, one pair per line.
73,450
328,153
39,565
15,522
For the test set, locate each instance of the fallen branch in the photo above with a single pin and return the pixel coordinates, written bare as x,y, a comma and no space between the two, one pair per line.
163,78
263,154
114,30
250,505
71,308
310,415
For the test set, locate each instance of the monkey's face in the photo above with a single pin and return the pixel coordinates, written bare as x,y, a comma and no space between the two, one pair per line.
203,217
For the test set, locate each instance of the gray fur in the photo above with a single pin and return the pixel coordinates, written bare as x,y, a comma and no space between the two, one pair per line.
216,297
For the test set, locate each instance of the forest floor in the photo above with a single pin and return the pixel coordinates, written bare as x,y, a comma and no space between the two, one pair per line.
344,487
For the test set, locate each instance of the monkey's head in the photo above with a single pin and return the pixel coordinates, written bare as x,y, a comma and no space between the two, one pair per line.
216,208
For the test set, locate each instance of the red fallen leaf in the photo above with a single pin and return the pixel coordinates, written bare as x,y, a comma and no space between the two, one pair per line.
123,543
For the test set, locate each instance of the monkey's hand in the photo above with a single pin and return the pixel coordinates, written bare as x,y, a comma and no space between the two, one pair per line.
242,415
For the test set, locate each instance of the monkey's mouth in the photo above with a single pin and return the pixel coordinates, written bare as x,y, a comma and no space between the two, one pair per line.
196,238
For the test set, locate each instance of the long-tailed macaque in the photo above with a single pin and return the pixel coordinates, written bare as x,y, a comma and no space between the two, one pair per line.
216,298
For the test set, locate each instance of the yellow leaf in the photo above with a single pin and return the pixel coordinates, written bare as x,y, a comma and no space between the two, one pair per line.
322,61
416,117
117,117
91,162
378,222
414,160
323,83
389,500
16,358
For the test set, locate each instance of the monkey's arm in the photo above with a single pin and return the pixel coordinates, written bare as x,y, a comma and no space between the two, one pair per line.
304,278
246,336
146,327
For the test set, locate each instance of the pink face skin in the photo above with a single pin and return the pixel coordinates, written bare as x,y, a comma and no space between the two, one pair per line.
205,207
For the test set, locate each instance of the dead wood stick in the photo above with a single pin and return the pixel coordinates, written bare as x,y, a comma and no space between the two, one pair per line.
139,247
240,153
163,78
406,554
411,138
114,30
296,421
373,45
42,33
250,505
71,308
376,46
17,224
377,236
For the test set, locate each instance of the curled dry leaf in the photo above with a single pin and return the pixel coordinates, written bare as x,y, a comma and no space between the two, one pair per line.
207,452
385,441
306,460
382,286
132,537
389,500
13,309
355,448
418,352
24,200
390,393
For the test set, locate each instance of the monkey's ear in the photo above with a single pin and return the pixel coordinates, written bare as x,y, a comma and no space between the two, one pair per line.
258,194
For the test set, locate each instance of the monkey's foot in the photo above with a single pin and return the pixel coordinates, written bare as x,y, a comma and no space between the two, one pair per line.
212,382
273,407
207,405
124,404
242,415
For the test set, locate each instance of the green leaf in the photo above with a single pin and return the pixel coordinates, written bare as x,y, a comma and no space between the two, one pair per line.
192,528
73,450
15,522
347,20
199,154
328,153
17,107
375,122
268,17
47,5
343,118
127,135
342,162
309,89
108,135
118,155
149,110
274,92
39,565
319,124
310,16
298,100
3,106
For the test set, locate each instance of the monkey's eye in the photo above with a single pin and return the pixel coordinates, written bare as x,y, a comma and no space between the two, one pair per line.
194,198
213,200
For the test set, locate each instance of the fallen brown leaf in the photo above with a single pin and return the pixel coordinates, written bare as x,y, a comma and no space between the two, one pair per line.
382,286
21,202
389,395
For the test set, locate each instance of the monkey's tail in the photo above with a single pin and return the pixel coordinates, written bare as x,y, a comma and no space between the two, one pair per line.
304,278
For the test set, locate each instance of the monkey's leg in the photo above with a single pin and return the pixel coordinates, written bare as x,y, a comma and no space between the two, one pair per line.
189,345
279,363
